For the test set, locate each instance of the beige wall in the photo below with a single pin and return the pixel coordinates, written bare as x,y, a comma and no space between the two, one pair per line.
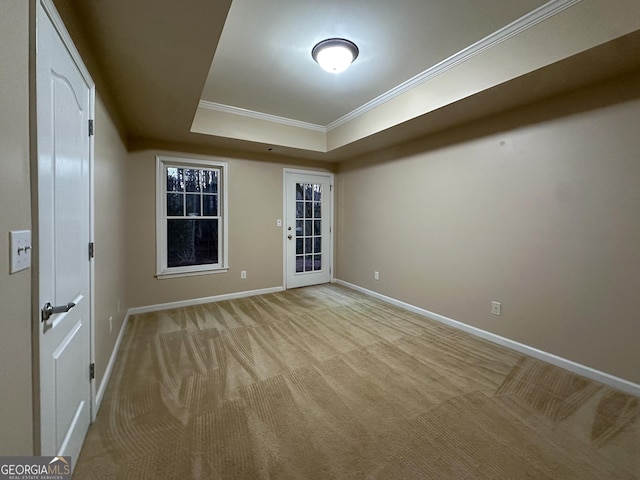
110,171
16,437
537,208
16,394
255,242
231,125
110,167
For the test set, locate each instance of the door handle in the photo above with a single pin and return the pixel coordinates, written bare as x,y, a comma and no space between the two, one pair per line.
49,310
289,237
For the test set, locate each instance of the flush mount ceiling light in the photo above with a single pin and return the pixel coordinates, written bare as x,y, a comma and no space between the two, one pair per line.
335,54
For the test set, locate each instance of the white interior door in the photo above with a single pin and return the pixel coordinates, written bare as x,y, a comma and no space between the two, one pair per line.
308,236
64,99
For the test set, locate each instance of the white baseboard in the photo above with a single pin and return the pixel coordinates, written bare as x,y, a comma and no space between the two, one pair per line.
109,369
577,368
200,301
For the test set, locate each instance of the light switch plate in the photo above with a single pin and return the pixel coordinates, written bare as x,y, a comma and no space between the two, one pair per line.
20,250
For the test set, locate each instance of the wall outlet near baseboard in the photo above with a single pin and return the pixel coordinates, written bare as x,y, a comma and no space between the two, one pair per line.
376,275
243,274
496,308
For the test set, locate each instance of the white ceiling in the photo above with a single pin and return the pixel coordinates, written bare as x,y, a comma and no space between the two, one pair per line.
161,66
263,61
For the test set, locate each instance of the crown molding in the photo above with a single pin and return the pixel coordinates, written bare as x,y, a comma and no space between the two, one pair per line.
219,107
540,14
529,20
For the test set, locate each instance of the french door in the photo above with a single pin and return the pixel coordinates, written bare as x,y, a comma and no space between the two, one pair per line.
308,235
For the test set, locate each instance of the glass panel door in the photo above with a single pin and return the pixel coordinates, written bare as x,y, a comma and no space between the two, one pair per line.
308,229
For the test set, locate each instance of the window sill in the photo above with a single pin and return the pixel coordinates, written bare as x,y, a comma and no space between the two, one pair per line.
163,276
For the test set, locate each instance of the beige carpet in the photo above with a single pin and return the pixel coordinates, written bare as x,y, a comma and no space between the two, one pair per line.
326,383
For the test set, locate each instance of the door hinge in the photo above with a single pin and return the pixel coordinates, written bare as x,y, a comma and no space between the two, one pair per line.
92,371
92,250
90,128
331,188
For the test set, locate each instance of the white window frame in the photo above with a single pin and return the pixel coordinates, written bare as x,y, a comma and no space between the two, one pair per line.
162,270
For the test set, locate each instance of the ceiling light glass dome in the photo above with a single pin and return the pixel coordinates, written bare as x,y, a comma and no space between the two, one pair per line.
335,55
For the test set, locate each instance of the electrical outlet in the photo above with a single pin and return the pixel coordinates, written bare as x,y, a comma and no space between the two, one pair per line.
278,223
496,308
376,275
243,274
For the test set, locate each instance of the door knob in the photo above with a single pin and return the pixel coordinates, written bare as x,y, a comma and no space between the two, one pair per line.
289,237
49,310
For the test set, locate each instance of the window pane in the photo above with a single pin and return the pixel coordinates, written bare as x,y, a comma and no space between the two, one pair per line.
192,179
317,243
299,246
308,209
210,181
299,264
192,242
299,191
317,262
192,222
317,210
175,180
317,192
308,263
299,227
307,228
175,204
308,245
193,205
308,191
210,205
299,209
317,227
